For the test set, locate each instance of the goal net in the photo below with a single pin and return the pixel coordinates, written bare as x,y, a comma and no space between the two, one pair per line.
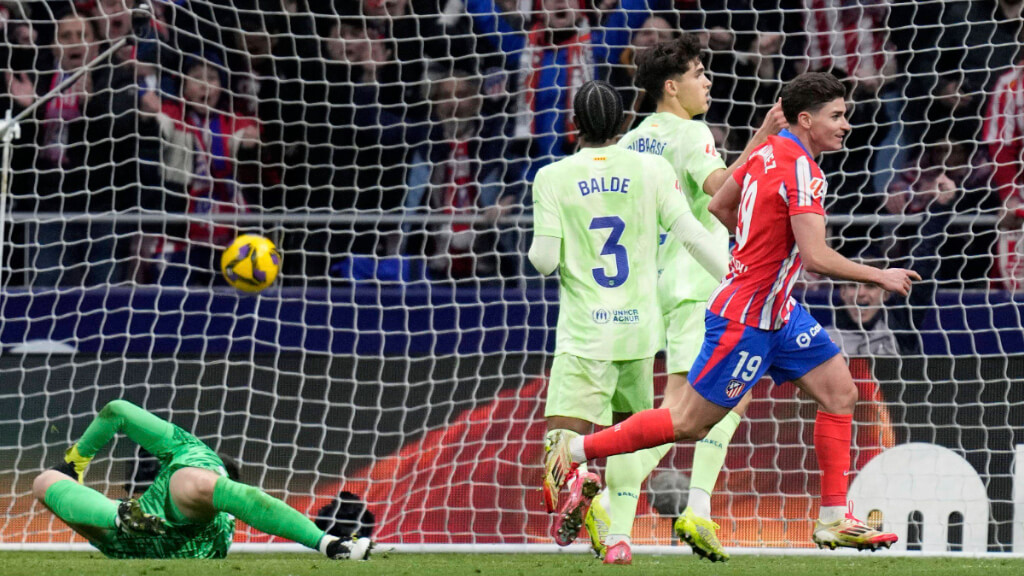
387,148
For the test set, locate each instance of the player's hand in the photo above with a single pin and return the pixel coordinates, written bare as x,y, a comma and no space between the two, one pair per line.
249,136
71,456
21,89
774,121
149,102
945,190
898,280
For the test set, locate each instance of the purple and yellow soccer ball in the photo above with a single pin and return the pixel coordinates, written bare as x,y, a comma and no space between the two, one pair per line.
250,263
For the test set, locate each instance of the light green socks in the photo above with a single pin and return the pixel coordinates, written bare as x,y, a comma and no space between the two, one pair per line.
77,504
708,459
625,474
264,512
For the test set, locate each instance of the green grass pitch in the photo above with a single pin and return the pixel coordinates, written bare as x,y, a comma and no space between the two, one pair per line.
238,564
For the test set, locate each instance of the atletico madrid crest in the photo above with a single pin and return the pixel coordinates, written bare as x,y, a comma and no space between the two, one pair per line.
734,389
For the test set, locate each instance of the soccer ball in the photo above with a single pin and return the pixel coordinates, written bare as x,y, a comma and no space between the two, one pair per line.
250,263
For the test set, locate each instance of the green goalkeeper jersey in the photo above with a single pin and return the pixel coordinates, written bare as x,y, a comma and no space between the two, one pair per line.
689,147
608,206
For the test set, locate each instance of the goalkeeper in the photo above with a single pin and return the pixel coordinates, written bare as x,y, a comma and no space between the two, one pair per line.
188,512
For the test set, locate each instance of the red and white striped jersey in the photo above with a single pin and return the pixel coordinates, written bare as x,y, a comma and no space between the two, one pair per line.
853,38
1004,133
779,180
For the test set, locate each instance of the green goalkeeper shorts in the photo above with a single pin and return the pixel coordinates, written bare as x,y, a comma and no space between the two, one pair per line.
592,390
684,335
183,539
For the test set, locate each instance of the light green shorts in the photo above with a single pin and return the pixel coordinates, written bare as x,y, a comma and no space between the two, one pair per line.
684,335
592,390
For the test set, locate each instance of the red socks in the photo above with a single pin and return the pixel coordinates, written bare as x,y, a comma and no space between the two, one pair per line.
832,447
645,429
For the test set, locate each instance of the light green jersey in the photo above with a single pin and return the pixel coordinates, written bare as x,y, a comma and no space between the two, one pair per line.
608,205
690,148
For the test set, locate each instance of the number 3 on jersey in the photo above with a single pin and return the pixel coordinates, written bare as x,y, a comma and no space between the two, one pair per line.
612,248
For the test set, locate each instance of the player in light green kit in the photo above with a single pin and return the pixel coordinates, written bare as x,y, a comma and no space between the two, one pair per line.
190,509
672,74
597,218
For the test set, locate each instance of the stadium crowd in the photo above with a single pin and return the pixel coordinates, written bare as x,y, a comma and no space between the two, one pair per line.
449,107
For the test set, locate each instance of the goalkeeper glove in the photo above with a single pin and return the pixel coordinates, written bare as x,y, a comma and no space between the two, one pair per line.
72,457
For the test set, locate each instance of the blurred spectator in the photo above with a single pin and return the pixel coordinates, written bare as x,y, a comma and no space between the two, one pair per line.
414,35
864,328
851,35
70,167
944,177
500,29
854,36
654,30
468,175
957,51
1004,136
369,135
113,20
559,56
17,36
201,144
868,322
277,75
979,41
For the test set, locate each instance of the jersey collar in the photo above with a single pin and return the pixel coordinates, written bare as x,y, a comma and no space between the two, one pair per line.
785,133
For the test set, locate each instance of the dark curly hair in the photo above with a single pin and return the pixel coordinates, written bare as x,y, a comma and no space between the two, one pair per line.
663,61
808,92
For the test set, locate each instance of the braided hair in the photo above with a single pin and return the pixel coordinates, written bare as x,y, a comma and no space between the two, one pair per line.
598,109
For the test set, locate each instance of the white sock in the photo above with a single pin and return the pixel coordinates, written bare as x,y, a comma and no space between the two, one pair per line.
576,449
614,539
830,514
700,502
325,542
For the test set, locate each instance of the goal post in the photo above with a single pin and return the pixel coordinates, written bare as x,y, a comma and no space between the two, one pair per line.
388,147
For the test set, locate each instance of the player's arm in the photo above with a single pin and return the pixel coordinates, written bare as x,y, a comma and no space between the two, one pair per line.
725,204
148,430
818,257
675,216
696,240
774,121
546,250
545,253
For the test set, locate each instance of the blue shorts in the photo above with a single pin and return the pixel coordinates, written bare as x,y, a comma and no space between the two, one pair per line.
735,356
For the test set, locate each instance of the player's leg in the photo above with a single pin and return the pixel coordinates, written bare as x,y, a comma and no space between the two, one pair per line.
733,357
695,526
199,494
624,473
579,395
89,512
809,358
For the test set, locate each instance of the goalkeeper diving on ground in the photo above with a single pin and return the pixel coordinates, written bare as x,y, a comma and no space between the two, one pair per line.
190,509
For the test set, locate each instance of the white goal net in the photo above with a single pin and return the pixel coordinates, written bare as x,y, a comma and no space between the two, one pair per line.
387,148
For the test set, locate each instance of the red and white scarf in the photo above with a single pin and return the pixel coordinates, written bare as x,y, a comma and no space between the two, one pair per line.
579,64
59,111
